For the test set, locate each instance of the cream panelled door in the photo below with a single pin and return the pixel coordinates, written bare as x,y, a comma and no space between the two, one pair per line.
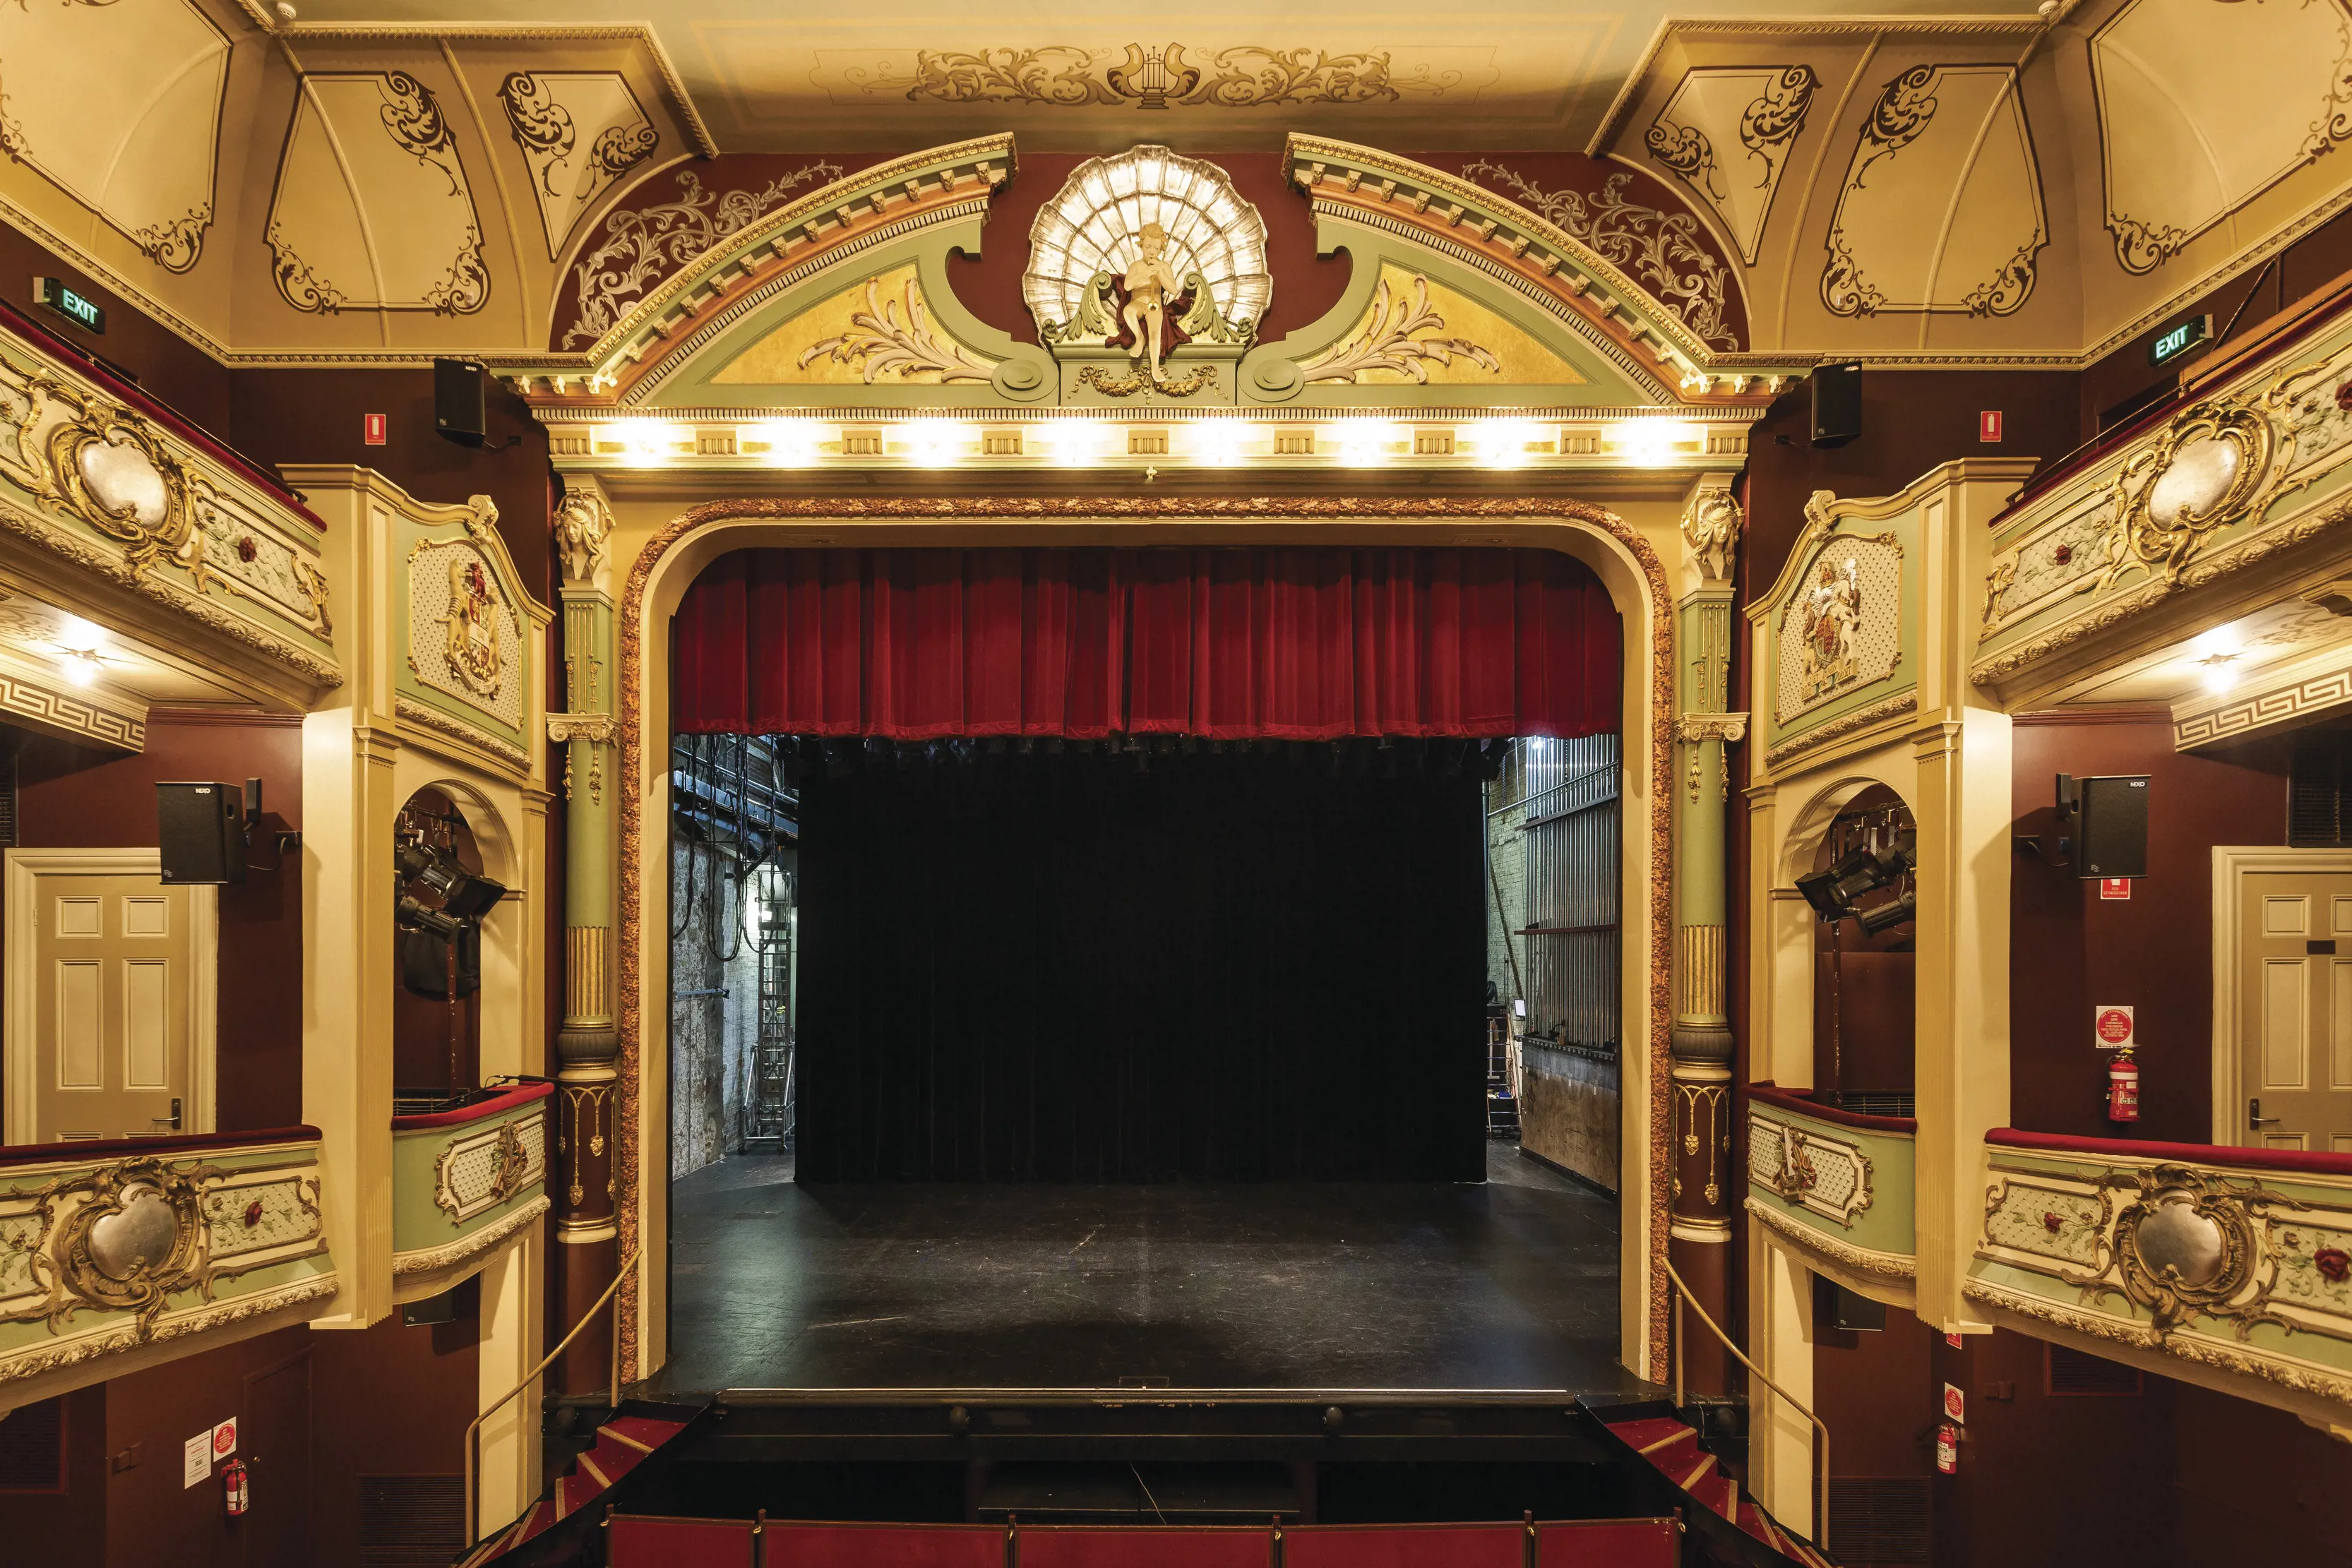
2294,1041
111,995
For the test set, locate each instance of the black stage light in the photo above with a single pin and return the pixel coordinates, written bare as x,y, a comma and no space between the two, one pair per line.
463,895
1887,916
417,917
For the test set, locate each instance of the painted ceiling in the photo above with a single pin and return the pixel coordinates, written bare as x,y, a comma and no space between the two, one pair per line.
387,178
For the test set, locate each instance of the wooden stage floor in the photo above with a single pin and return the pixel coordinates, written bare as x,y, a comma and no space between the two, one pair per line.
1509,1286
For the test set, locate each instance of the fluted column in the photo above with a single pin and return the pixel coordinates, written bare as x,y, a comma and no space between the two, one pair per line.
1706,1186
587,1047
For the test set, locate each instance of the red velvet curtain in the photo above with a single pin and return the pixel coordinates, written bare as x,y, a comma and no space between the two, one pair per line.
1228,644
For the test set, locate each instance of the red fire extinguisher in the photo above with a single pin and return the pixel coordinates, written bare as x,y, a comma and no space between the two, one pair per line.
233,1487
2123,1087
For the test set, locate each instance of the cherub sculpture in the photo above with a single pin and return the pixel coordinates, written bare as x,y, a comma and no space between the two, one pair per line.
1150,284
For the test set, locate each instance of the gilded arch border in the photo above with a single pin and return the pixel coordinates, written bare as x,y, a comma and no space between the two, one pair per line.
629,1012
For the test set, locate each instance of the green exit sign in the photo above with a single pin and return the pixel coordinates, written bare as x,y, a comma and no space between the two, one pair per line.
2178,341
75,307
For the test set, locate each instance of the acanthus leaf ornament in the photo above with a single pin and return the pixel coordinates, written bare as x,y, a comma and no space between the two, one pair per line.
540,124
1387,341
880,342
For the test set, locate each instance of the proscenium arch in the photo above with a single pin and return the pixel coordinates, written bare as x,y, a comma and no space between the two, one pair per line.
1624,561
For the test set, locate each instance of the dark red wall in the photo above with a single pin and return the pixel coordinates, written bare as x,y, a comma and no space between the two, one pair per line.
2070,950
73,798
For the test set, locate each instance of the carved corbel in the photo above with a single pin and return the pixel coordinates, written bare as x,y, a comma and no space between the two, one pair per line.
583,521
1711,527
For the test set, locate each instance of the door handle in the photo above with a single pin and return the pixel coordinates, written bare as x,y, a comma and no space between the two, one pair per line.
2255,1120
171,1121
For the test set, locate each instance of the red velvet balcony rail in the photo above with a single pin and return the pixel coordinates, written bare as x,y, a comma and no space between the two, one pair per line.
1801,1102
94,1149
497,1106
2309,1162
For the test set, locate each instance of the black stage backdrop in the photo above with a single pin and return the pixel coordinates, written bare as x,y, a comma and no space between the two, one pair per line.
1233,966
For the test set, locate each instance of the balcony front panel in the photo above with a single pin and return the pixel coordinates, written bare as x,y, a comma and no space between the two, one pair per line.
112,1249
2237,1261
1834,1182
463,1182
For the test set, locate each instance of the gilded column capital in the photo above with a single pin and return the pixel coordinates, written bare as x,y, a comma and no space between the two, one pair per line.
1699,727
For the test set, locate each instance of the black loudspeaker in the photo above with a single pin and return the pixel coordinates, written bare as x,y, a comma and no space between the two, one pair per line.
2106,819
202,832
1837,404
460,408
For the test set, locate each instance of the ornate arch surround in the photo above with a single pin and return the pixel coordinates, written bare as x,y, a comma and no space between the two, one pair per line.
1625,562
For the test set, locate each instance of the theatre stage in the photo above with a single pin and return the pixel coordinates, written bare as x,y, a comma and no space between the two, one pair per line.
1506,1286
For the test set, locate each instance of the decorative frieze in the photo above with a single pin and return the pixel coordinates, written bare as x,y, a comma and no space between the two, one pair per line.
1825,1175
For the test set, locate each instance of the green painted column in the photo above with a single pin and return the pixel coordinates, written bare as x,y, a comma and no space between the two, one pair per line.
1700,1072
588,1046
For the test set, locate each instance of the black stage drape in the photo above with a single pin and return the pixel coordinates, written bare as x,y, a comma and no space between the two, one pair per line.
1232,966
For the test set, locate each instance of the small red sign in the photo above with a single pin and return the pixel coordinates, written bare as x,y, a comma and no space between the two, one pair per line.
1947,1449
2114,888
2114,1026
1955,1406
224,1440
374,429
1988,425
1955,1341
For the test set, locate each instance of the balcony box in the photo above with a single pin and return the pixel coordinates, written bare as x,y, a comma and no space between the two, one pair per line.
1836,1186
465,1181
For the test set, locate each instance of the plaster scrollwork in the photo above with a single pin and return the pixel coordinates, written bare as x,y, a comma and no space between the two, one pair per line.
104,465
881,341
1711,525
1824,1176
582,526
1397,335
2216,464
541,125
1863,1259
479,1171
1766,127
1071,76
1660,250
642,247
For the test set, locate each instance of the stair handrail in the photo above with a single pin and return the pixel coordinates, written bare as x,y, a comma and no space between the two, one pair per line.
474,1429
1821,1430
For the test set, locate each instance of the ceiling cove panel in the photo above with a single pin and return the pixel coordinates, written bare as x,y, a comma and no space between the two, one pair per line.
372,210
120,106
579,132
1941,208
2202,107
1726,135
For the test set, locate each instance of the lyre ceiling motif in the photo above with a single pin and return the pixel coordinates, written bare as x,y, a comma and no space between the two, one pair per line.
134,142
2203,106
373,208
579,132
1758,112
1941,209
1095,223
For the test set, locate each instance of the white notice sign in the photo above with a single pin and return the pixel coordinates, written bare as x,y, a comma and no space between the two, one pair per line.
196,1459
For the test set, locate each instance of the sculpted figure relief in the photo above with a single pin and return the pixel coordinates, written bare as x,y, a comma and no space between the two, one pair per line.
1150,283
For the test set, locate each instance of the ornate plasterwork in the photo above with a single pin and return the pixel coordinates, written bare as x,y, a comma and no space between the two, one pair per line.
2293,701
135,143
96,461
479,1170
548,114
1658,1207
1825,1175
473,1244
2215,464
1660,251
2203,107
1861,1259
372,209
430,718
642,247
464,636
884,340
1761,111
1087,250
126,1236
1944,150
1843,726
2183,1258
1148,76
1396,335
582,524
1711,524
1842,628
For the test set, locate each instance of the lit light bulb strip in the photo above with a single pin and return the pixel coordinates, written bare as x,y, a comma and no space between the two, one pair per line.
892,440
